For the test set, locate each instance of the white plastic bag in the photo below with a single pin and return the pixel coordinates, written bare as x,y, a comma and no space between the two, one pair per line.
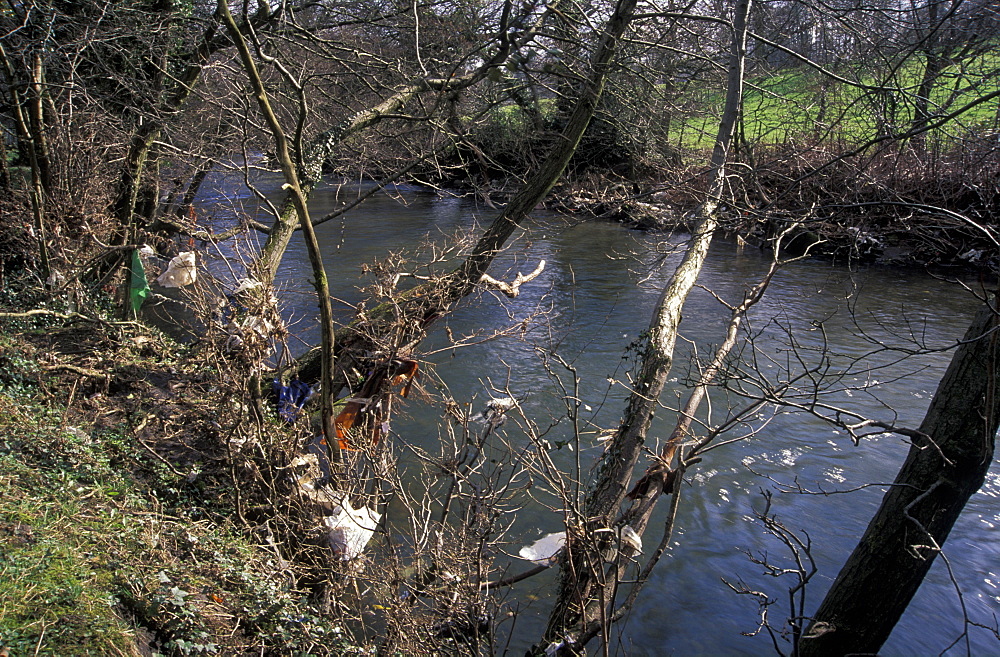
545,550
246,285
181,271
351,529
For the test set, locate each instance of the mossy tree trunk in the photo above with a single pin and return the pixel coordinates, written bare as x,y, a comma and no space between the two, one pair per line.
32,141
140,150
298,201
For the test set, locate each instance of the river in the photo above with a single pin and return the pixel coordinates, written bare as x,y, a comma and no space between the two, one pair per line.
595,296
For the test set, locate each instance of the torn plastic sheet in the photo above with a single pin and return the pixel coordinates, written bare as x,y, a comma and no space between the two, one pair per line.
180,271
311,472
631,538
291,398
495,412
351,529
246,285
138,285
555,647
55,279
247,327
545,550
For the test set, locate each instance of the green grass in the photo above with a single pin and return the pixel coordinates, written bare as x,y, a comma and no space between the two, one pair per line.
798,105
105,551
60,532
510,122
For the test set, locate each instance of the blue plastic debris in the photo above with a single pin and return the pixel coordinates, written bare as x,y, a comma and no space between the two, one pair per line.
291,398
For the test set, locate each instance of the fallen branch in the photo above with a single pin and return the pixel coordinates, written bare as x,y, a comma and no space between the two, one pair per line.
82,371
66,317
513,579
513,289
42,312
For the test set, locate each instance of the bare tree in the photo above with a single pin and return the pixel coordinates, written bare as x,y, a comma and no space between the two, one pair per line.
583,592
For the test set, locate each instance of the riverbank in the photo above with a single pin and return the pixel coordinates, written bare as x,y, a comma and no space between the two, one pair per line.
143,460
137,515
897,205
121,526
894,234
926,237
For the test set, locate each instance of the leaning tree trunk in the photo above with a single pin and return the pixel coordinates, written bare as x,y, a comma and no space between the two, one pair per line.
140,150
292,184
944,467
412,311
310,172
322,147
584,590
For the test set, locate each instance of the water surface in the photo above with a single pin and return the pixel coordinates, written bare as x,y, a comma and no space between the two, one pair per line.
593,300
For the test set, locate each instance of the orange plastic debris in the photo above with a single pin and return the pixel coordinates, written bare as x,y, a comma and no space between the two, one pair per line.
345,421
405,371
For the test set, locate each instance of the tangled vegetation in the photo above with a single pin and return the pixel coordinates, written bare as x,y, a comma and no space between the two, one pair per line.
118,527
154,502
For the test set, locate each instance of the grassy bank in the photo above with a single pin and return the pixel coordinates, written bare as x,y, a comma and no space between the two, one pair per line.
119,532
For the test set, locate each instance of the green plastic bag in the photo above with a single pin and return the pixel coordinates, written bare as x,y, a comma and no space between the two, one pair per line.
138,287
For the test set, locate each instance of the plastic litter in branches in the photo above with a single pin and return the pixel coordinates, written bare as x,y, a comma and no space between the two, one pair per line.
181,270
138,286
351,529
291,398
545,550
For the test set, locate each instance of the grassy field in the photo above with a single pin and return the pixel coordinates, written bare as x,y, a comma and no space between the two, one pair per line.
792,106
798,105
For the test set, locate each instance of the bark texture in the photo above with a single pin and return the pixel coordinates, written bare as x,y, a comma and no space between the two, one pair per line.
586,593
940,474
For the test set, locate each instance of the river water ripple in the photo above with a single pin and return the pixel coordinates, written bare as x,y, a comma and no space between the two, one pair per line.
592,301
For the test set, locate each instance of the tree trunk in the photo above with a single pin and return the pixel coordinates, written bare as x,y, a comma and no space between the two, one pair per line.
940,474
31,143
322,147
36,93
584,589
934,63
310,172
298,198
5,183
419,306
129,184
